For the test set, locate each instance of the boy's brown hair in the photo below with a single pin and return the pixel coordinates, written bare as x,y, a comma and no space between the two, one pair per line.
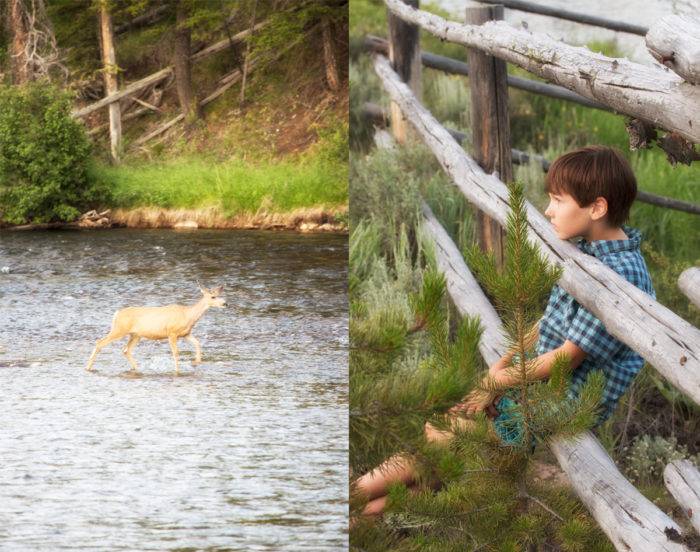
595,171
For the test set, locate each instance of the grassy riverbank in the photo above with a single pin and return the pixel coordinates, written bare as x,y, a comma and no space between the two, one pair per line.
233,188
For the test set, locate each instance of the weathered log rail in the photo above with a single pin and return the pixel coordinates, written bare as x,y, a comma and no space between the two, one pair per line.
455,67
683,482
689,284
381,117
669,343
639,91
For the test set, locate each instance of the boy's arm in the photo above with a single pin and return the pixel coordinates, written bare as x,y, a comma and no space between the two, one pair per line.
542,365
478,400
502,363
530,339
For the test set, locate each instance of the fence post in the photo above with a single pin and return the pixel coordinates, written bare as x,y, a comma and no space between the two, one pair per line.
404,54
109,61
490,123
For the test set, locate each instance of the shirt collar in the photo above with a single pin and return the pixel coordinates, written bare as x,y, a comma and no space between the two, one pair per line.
598,248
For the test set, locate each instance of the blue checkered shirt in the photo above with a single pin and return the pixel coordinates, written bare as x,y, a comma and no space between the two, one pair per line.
564,318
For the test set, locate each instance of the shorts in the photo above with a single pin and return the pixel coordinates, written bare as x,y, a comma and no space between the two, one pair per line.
509,423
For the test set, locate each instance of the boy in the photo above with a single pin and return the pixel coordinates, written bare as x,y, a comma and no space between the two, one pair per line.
591,191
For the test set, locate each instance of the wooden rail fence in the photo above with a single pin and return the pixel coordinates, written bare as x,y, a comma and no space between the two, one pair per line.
670,344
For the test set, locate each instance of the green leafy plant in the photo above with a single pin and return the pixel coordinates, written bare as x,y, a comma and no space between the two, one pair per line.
43,156
648,455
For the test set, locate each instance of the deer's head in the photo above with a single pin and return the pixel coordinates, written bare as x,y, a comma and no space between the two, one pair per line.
213,297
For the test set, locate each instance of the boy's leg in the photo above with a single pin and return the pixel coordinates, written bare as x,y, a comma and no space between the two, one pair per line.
441,436
374,484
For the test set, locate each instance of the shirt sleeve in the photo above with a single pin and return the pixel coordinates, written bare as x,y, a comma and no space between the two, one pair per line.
589,334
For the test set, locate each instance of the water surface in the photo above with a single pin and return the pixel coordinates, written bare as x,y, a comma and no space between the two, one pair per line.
247,451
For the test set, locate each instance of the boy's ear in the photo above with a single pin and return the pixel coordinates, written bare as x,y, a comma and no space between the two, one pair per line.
599,208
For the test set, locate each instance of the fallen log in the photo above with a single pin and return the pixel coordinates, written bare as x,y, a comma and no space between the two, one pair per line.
689,284
682,480
674,41
228,81
669,343
158,76
630,88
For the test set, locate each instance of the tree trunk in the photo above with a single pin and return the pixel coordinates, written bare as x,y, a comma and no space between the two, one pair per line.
109,62
183,69
329,55
20,67
247,53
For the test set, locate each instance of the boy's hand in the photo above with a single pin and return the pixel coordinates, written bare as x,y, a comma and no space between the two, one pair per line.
474,402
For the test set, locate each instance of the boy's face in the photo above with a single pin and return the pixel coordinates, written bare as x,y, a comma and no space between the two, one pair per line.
568,218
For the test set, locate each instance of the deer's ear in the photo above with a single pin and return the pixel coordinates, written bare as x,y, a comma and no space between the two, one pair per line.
202,289
218,290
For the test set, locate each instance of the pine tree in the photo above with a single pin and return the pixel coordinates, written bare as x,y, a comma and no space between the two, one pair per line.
406,367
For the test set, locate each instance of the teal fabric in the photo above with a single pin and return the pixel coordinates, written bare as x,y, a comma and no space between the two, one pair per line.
509,422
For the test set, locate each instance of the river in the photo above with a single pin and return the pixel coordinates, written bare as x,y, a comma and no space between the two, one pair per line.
247,451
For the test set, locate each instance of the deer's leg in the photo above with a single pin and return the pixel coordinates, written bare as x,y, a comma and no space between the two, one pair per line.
173,347
197,349
133,341
106,340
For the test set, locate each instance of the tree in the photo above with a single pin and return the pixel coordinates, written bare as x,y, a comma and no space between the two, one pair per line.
329,54
406,367
111,78
246,58
181,61
33,52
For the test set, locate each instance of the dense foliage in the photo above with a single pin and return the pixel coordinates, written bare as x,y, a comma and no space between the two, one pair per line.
43,156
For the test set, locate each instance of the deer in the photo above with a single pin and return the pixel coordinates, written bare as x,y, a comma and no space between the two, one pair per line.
170,322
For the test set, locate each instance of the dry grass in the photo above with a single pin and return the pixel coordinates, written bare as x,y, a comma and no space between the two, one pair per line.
308,219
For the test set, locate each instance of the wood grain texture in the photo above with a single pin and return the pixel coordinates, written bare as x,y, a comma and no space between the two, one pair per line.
674,41
689,284
651,93
683,482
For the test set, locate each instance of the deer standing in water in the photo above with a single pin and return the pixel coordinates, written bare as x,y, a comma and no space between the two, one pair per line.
171,323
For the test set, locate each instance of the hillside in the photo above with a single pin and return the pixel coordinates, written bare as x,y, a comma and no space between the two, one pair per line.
276,159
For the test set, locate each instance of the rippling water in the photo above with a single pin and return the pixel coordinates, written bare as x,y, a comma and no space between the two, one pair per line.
247,451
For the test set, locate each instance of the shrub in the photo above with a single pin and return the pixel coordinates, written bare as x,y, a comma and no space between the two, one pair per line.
43,156
649,455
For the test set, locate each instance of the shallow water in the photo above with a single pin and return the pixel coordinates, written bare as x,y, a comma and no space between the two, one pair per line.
247,451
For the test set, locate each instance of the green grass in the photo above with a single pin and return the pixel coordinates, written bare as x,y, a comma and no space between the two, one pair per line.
233,186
